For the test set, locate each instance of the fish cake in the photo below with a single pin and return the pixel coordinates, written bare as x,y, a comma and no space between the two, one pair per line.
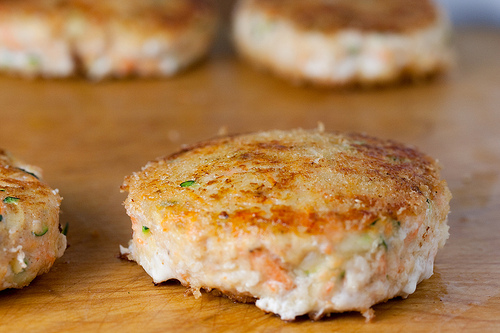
344,42
103,39
30,235
299,222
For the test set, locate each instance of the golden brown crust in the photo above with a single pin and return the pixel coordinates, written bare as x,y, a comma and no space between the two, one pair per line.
365,15
170,15
30,234
20,181
337,222
297,181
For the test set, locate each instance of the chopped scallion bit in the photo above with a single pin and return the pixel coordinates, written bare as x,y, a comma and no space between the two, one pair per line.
168,203
188,183
353,50
41,233
65,229
10,200
383,243
33,60
145,229
396,225
30,173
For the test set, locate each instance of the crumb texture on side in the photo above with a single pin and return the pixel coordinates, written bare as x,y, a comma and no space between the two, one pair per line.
304,222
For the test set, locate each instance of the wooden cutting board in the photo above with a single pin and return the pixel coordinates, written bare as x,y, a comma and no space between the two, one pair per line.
88,136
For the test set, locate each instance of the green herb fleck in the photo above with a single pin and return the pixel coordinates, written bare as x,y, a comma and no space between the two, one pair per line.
10,200
398,159
168,203
353,50
26,262
374,222
396,224
383,243
33,60
29,173
262,28
145,229
2,189
65,229
188,183
342,275
43,232
1,218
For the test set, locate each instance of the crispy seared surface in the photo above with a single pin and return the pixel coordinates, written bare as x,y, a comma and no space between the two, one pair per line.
30,234
301,221
172,14
286,181
365,15
22,181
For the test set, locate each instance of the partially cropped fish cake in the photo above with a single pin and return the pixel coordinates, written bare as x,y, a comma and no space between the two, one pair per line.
344,42
30,235
302,222
101,39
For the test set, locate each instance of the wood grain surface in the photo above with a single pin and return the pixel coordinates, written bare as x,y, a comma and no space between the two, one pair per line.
88,136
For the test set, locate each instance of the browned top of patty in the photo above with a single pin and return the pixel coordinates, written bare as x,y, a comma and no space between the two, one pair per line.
21,183
365,15
171,14
286,181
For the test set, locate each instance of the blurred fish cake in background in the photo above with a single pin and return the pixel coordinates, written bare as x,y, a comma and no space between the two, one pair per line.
103,39
344,42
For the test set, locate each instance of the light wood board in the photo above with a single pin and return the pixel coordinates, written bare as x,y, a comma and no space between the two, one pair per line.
88,136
